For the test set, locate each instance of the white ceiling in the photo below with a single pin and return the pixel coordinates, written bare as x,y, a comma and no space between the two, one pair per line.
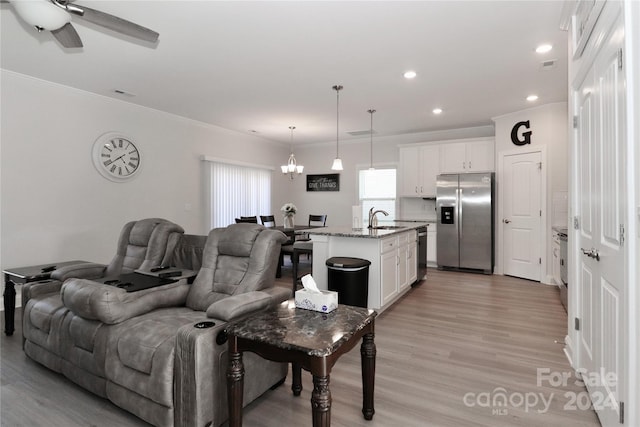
264,66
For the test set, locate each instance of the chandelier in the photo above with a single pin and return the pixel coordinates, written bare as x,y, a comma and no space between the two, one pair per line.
292,166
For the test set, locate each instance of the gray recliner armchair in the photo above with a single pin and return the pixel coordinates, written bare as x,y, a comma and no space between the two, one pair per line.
142,245
161,353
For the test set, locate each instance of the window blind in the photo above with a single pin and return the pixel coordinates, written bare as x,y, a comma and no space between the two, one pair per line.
238,191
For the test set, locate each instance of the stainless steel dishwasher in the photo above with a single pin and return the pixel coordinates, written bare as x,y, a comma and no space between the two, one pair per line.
422,252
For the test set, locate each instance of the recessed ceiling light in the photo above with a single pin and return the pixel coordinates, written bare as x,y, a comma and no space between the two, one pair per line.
544,48
437,110
410,74
532,98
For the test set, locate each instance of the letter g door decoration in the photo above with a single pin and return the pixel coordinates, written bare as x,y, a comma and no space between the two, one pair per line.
526,136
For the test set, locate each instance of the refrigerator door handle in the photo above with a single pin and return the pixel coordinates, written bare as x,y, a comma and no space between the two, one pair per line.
459,205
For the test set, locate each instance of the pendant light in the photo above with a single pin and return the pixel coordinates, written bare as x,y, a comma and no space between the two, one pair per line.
371,111
291,167
337,163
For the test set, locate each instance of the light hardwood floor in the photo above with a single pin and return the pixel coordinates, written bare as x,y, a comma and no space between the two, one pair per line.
446,353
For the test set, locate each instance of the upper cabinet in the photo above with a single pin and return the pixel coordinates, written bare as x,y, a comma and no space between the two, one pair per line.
418,170
420,164
464,157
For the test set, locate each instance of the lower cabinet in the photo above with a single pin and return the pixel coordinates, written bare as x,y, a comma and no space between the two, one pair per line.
398,264
393,266
432,256
388,276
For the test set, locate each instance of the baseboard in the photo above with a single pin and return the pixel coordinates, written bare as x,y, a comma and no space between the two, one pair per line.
568,350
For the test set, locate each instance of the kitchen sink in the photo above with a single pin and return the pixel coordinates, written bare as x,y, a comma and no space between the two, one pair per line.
388,227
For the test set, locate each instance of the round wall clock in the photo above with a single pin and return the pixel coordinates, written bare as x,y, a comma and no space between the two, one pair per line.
116,157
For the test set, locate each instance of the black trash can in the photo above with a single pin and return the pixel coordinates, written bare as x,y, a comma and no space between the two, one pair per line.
350,278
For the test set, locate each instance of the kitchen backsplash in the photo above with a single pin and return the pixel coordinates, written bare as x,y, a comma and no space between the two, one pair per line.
417,209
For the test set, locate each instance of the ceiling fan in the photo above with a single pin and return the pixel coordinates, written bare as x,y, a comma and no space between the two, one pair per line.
55,16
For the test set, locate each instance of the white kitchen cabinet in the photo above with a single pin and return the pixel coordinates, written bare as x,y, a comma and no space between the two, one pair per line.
410,264
389,268
388,274
432,258
393,260
464,157
398,264
419,167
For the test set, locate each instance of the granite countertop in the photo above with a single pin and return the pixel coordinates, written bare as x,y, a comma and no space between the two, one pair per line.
346,231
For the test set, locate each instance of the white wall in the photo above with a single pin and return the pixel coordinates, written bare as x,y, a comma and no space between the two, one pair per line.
54,204
549,126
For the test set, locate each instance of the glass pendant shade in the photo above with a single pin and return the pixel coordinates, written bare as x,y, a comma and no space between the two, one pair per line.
337,165
291,164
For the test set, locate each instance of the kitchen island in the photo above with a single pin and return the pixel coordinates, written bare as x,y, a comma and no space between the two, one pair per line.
391,248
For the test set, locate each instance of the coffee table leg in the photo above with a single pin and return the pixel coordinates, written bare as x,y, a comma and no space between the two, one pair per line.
235,384
296,384
368,357
321,401
9,306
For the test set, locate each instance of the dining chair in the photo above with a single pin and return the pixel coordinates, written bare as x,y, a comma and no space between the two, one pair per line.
303,245
318,220
314,221
268,220
247,219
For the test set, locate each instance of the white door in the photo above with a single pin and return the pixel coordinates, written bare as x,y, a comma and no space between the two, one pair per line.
602,202
522,215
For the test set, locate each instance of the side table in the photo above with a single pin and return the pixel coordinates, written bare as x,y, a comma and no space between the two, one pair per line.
22,275
310,340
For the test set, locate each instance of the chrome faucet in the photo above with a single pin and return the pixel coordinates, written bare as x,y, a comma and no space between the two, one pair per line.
373,220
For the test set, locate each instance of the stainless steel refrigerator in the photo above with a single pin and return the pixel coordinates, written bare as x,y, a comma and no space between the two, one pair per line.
465,230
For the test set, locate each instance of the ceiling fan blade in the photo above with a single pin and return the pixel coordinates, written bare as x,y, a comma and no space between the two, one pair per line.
113,22
67,36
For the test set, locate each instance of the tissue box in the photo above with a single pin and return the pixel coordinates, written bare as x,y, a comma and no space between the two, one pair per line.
324,302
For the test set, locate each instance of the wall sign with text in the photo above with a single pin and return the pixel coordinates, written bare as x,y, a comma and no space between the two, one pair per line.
326,182
526,136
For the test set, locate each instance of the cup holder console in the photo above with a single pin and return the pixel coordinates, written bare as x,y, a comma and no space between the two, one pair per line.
204,325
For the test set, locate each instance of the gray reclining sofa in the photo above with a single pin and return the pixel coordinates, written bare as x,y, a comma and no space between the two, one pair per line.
160,353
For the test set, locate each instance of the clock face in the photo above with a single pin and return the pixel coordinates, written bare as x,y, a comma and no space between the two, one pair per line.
116,157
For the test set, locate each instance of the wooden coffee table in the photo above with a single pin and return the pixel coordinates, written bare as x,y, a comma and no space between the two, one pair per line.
310,340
